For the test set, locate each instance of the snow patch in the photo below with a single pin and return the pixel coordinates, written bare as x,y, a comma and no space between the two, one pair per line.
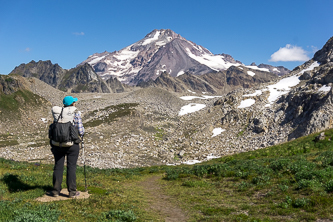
126,54
282,87
324,88
96,60
250,73
311,67
191,162
214,62
257,68
191,108
150,40
180,73
197,97
246,103
257,93
190,97
217,131
210,97
209,157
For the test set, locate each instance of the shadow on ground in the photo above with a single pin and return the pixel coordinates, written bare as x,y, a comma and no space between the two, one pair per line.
16,185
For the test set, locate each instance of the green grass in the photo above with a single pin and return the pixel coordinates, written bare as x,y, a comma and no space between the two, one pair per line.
8,140
159,134
115,112
287,182
13,101
21,99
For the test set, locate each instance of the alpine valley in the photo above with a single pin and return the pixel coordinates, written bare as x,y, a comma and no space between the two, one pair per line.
166,100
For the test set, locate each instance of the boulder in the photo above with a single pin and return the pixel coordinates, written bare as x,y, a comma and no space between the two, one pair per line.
260,125
305,76
321,136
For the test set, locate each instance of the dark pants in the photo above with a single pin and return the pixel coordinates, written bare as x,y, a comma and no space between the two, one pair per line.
59,154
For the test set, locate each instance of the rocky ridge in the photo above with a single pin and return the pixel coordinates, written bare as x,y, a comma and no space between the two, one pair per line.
214,83
80,79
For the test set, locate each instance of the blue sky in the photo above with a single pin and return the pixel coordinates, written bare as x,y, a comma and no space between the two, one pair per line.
67,32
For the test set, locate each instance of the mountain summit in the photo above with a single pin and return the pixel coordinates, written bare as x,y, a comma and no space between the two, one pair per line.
161,51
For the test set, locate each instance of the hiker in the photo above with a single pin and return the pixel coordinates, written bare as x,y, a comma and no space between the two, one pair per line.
70,149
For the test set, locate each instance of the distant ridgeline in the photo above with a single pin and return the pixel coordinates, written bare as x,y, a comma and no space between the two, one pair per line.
80,79
83,78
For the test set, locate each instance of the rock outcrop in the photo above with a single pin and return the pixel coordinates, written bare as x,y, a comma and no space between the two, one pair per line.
325,55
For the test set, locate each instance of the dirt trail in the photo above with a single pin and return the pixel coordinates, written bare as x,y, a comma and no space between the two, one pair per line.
161,203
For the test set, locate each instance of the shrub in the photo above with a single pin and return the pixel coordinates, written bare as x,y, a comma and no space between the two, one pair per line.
300,202
243,175
283,187
171,174
120,215
307,183
41,213
326,158
288,200
200,170
242,186
279,165
301,165
305,175
329,186
260,180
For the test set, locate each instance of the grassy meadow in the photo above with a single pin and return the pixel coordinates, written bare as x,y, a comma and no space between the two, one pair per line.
286,182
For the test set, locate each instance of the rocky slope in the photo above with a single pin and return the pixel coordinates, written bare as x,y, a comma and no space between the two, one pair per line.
80,79
19,106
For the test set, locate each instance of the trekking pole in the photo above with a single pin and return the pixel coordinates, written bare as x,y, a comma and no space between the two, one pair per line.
84,165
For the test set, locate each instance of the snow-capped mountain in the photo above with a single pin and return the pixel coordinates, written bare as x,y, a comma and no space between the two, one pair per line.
161,51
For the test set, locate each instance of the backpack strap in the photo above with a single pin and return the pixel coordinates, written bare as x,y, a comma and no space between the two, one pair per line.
60,114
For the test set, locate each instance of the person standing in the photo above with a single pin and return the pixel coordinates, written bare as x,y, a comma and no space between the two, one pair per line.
68,113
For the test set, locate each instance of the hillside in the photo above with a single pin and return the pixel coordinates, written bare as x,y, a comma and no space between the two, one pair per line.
288,182
19,106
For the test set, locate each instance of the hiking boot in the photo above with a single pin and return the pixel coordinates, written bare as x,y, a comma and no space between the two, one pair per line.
74,194
54,194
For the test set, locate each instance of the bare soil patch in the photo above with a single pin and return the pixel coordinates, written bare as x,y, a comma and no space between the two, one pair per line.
64,195
161,203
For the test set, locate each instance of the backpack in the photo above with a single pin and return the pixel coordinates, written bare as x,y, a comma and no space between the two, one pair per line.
63,134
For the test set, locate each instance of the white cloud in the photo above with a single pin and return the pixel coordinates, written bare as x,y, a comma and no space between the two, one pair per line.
78,33
27,49
289,53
